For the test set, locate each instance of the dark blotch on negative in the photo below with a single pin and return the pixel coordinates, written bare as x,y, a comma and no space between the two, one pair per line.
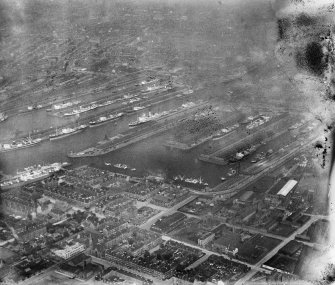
314,58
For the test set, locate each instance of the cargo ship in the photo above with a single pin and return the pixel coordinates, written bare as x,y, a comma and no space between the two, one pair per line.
224,131
31,174
193,181
24,143
258,122
104,119
121,166
3,117
61,106
81,109
147,118
109,102
66,132
136,108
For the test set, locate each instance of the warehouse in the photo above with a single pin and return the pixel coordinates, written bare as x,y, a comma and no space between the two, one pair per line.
287,188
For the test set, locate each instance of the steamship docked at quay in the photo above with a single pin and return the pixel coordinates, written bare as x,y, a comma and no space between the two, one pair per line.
23,143
65,132
31,174
105,119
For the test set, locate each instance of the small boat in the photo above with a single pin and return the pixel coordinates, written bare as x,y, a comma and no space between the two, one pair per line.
133,169
108,163
122,166
223,178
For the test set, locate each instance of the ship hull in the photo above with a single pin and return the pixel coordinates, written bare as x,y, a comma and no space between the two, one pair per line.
78,113
22,183
65,135
93,125
137,124
18,148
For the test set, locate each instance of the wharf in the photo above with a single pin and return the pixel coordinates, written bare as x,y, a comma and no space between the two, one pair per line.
183,146
44,134
219,157
229,191
173,144
133,136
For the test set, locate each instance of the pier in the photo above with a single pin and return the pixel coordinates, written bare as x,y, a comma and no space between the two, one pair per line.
264,134
138,134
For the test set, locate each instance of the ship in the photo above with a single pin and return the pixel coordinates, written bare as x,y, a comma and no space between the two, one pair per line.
140,120
63,105
104,119
24,143
188,105
121,166
152,88
147,118
109,102
81,109
137,108
194,181
242,154
3,117
258,122
67,132
187,92
224,131
31,174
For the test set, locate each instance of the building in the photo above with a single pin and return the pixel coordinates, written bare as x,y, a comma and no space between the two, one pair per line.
57,214
287,188
168,223
80,260
18,203
32,231
69,251
79,267
228,243
245,198
118,205
205,238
